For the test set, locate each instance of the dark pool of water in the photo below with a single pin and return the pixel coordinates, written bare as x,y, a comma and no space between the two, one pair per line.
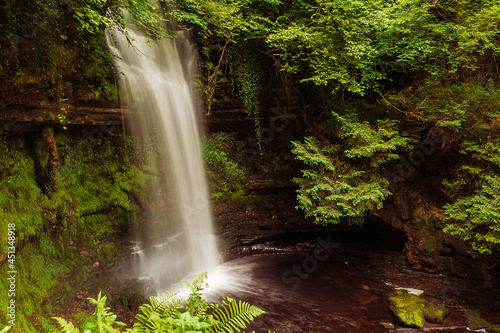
304,293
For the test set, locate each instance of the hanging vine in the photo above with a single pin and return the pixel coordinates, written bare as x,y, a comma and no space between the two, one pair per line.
247,71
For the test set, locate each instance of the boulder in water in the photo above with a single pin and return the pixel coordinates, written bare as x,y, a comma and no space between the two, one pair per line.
435,313
474,321
407,308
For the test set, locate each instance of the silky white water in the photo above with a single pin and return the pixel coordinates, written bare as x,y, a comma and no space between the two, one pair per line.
156,82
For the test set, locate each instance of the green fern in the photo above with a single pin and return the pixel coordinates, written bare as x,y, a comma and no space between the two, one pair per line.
167,314
104,320
232,315
66,327
195,304
475,218
333,189
162,306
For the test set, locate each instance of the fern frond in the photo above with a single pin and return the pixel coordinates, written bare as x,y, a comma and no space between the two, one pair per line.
163,302
232,315
66,327
162,306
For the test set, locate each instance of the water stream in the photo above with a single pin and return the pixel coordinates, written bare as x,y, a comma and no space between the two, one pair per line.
156,82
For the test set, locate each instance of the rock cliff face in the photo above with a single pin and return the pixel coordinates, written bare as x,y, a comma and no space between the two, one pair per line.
415,209
30,107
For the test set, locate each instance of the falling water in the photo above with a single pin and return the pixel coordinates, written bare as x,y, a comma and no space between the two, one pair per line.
177,238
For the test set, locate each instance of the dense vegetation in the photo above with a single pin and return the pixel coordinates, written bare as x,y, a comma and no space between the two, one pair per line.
383,78
89,197
385,86
169,313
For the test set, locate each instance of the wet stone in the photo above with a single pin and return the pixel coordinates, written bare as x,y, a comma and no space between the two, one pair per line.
407,308
474,321
386,325
477,323
493,329
435,313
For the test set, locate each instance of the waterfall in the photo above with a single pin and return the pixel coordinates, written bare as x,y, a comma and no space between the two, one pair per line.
156,81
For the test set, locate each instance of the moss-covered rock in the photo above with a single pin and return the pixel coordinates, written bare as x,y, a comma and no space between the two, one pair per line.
474,321
493,329
407,308
435,313
477,323
469,314
129,298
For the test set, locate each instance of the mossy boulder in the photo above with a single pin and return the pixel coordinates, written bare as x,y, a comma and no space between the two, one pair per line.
407,308
474,321
129,298
435,313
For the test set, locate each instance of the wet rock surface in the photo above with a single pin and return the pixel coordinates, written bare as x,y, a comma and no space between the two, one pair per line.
435,313
407,308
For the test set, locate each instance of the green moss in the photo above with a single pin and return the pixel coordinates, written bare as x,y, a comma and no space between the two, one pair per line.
493,329
226,172
38,272
82,318
407,308
474,321
108,254
91,196
435,313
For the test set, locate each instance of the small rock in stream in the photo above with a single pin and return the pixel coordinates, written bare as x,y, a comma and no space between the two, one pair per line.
386,325
477,323
435,313
474,321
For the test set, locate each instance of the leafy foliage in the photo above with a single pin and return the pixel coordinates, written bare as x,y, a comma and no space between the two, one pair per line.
226,172
165,314
468,114
361,45
62,44
475,217
66,326
232,315
343,180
